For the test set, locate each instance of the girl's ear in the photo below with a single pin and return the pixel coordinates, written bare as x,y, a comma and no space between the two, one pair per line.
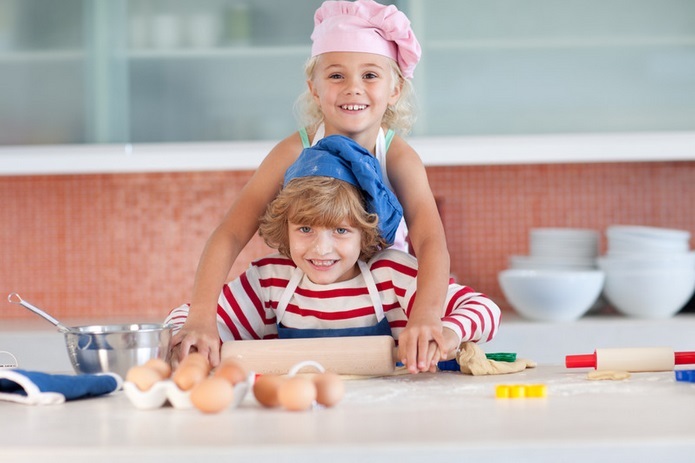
396,92
312,90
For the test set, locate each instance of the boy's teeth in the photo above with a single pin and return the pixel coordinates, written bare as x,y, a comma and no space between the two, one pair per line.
323,263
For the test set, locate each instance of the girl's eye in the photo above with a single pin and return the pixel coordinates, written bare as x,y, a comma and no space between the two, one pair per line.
371,75
335,76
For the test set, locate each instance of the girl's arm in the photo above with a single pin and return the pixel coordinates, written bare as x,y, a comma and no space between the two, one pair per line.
238,226
421,344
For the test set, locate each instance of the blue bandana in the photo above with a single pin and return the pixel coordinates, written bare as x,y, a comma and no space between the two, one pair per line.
341,157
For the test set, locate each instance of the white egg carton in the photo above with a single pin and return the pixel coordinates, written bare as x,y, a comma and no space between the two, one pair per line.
167,391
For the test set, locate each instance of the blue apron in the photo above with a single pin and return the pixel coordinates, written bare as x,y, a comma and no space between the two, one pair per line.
381,328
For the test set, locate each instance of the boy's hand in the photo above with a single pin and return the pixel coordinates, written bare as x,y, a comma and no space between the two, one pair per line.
195,338
421,343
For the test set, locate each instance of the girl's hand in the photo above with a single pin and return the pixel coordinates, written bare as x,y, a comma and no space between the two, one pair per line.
195,338
421,343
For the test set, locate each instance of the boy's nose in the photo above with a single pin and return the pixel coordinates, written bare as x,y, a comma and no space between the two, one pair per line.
324,244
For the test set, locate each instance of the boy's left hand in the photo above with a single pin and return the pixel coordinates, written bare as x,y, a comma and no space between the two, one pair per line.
421,344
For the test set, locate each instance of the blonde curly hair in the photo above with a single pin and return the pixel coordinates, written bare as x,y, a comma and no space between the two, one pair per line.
319,202
400,117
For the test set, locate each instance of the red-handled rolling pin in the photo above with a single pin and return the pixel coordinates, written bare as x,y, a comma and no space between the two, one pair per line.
632,359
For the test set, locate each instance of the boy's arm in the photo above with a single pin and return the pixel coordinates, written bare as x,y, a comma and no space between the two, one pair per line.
240,223
409,179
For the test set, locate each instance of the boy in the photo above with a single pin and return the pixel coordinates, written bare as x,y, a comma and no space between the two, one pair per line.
333,275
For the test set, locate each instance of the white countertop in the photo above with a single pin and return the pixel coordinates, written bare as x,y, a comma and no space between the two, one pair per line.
39,346
648,417
427,417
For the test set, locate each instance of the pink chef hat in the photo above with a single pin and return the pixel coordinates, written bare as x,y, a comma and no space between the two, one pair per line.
366,26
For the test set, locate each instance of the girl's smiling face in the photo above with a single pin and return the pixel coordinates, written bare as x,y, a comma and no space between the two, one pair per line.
325,255
353,91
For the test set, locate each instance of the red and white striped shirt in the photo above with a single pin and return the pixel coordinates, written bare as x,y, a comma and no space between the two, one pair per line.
246,306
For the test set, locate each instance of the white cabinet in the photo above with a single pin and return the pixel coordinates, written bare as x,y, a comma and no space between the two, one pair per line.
160,71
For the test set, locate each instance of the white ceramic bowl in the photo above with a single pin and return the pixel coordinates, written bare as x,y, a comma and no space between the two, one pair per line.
649,293
567,242
630,262
551,295
654,233
625,239
552,263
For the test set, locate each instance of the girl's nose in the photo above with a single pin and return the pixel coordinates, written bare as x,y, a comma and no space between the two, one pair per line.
353,86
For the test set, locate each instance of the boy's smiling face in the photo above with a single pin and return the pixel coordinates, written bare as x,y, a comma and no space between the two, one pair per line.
325,255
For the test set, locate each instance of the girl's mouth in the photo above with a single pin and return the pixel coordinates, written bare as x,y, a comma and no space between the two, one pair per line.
322,263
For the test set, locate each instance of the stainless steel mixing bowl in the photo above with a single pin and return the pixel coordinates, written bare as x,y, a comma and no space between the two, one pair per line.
108,348
116,348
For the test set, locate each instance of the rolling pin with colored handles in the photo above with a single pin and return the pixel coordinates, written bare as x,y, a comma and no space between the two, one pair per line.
350,355
633,359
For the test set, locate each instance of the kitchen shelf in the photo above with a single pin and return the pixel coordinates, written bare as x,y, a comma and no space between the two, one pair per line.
219,52
444,151
561,43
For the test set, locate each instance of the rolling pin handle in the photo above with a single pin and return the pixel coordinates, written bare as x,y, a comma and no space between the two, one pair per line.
581,361
685,358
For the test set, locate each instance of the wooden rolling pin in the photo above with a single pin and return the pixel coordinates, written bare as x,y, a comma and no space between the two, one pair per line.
632,359
351,355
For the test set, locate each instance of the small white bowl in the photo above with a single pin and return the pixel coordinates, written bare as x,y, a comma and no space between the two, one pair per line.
551,295
646,261
552,263
643,231
649,293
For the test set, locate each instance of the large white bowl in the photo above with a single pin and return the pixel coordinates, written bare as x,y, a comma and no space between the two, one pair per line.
557,295
650,293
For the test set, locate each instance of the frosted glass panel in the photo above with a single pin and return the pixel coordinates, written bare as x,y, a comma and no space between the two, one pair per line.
547,66
105,71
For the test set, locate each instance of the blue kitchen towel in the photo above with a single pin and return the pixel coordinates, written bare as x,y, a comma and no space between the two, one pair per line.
37,388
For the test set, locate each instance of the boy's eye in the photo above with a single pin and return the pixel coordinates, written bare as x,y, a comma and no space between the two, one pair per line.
341,231
305,229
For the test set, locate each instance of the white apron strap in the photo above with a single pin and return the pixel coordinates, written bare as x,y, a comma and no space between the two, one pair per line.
373,292
296,277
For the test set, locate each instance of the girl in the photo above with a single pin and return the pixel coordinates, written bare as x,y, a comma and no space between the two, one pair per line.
332,276
363,55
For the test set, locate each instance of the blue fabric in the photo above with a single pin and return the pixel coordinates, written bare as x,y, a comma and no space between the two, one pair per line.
71,386
380,329
341,157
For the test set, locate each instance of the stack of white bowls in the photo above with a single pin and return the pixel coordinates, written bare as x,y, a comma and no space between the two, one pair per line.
559,249
559,280
650,271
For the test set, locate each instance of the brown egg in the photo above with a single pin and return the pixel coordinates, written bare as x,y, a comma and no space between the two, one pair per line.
231,370
265,389
188,375
196,358
143,377
330,388
212,395
159,365
297,393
